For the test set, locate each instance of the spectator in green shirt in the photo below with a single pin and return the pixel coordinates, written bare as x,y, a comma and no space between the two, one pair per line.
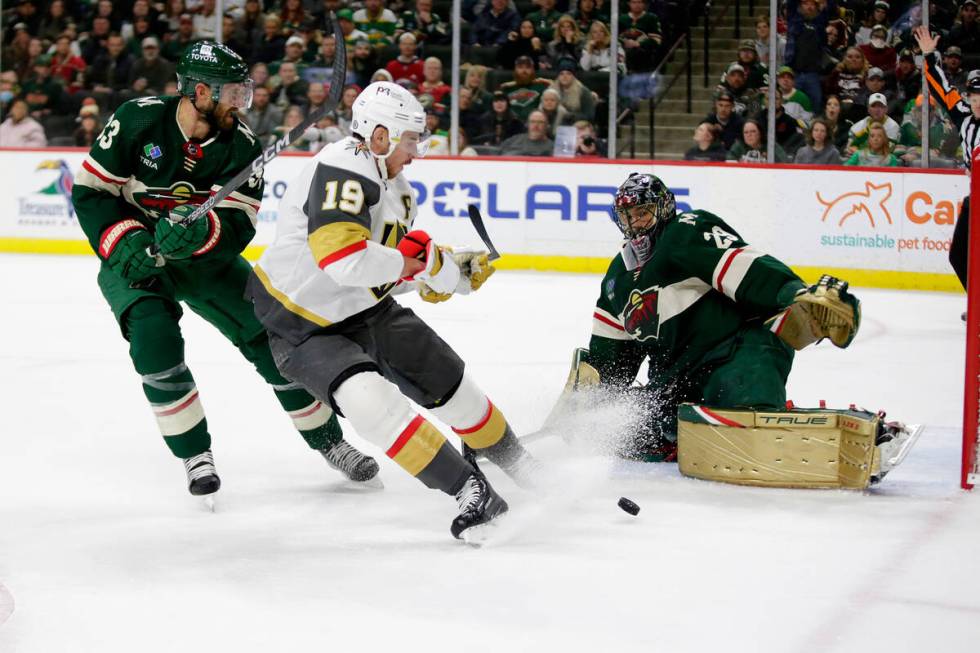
524,93
640,36
876,152
544,19
377,21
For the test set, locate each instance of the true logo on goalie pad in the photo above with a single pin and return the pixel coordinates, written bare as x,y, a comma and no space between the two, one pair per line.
640,318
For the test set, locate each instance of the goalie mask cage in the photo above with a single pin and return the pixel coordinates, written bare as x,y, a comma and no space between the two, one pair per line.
970,474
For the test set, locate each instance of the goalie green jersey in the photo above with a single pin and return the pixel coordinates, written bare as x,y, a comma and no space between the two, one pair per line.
142,165
701,285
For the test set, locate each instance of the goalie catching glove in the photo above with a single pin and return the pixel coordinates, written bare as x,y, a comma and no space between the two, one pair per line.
446,271
824,310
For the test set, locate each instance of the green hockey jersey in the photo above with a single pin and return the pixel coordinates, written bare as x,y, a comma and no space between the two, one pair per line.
697,290
142,165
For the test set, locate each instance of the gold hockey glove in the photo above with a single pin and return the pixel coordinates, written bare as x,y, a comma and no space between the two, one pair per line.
824,310
475,266
429,295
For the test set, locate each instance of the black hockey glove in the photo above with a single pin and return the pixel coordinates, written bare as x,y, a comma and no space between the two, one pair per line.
178,238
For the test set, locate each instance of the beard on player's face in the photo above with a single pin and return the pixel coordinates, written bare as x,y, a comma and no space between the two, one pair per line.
218,115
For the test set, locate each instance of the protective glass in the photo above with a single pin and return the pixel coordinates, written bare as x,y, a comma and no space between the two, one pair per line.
237,94
412,142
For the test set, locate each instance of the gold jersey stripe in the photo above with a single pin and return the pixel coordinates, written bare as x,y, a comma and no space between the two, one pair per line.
287,303
331,238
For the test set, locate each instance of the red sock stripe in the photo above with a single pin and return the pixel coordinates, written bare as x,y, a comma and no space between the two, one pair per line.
480,425
405,436
341,253
179,408
307,413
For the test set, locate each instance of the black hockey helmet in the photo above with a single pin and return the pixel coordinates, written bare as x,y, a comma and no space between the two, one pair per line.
643,190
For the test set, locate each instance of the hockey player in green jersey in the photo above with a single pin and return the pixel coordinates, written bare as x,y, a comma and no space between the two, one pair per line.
712,315
158,157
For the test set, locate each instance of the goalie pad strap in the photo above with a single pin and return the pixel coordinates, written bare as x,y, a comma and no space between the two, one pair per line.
813,448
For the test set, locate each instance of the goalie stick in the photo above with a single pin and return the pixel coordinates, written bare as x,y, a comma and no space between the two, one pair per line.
271,152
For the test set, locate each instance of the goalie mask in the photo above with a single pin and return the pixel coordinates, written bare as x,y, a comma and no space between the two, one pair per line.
643,206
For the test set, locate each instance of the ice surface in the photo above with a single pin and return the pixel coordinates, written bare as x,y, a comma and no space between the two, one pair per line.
102,549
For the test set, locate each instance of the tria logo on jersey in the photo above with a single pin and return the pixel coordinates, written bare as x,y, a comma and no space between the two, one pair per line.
640,317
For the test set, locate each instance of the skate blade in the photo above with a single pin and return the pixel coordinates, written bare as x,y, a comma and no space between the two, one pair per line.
373,483
914,431
477,536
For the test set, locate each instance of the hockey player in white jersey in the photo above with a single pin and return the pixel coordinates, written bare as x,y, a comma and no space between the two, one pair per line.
344,244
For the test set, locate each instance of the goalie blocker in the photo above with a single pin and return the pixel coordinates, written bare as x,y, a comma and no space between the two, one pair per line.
805,448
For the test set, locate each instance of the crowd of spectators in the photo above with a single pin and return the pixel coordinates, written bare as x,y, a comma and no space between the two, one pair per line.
533,72
849,85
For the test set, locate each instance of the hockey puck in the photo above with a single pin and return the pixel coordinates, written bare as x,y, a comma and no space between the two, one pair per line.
628,506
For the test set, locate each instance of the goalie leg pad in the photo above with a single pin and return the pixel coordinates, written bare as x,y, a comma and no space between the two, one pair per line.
795,449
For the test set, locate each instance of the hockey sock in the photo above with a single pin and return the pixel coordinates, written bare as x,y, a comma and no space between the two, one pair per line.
313,419
157,350
480,424
379,413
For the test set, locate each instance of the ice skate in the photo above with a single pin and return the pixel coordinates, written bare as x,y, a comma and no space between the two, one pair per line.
353,464
202,478
894,443
479,504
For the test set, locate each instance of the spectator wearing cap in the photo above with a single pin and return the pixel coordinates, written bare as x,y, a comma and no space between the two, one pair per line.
640,35
263,116
877,114
878,15
89,125
878,53
377,21
724,116
908,79
42,92
756,73
524,92
523,42
544,19
65,65
567,42
345,18
953,67
182,39
846,81
407,65
494,24
575,96
874,82
533,143
795,101
762,40
735,84
706,144
426,26
966,32
294,49
499,123
20,129
806,33
819,150
151,72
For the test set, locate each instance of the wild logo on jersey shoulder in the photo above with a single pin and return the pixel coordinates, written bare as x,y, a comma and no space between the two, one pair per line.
640,317
158,202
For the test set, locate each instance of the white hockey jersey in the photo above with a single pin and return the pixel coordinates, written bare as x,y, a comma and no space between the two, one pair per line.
333,256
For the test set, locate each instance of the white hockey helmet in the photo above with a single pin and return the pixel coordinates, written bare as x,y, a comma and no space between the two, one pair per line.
387,105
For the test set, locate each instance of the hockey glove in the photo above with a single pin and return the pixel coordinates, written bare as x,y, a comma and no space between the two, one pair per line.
441,273
177,238
824,310
128,256
475,267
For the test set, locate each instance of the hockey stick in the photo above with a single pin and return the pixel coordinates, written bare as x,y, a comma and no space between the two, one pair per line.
271,152
481,230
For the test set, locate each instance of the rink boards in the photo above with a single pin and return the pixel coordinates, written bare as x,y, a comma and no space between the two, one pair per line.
874,226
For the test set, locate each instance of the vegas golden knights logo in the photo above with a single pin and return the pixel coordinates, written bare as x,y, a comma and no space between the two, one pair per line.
640,317
393,232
